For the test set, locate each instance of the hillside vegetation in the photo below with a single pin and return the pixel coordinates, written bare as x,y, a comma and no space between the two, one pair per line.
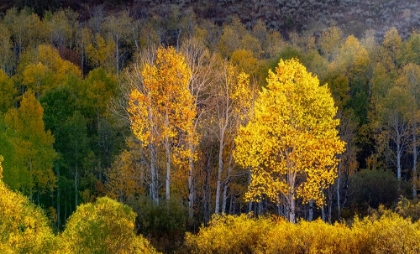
177,118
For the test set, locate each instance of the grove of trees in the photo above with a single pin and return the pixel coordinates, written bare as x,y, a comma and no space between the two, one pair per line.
179,118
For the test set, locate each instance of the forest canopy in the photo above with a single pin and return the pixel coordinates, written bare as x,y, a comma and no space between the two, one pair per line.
176,117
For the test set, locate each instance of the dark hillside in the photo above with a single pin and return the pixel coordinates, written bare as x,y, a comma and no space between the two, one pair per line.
352,16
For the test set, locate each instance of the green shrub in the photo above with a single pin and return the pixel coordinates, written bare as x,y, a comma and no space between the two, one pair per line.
165,223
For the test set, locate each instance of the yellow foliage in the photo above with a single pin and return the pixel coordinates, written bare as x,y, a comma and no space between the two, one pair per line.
162,110
101,52
105,226
245,60
23,227
386,233
33,146
164,106
291,135
228,234
46,69
127,174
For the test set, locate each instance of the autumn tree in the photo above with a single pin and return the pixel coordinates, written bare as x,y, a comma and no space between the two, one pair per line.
118,29
61,27
409,80
393,130
330,41
162,112
44,69
100,52
33,146
291,140
389,51
127,175
410,49
7,91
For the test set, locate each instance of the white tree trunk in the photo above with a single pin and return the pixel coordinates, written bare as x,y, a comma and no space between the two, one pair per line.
168,169
311,211
219,174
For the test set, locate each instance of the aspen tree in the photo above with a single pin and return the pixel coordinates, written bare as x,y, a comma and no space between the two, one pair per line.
291,141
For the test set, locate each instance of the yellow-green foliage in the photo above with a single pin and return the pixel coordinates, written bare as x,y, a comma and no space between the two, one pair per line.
385,233
228,234
105,226
23,226
307,237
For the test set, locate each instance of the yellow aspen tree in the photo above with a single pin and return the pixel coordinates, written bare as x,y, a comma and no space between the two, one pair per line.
162,112
291,141
45,69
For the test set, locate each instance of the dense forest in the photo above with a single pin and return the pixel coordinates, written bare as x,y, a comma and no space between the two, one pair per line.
157,122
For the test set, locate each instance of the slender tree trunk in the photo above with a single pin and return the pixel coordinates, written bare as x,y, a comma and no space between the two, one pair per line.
399,154
168,169
330,201
249,183
311,211
153,175
338,181
30,186
219,173
206,208
292,208
191,189
224,196
414,180
58,198
291,180
260,207
153,162
226,183
231,208
76,187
